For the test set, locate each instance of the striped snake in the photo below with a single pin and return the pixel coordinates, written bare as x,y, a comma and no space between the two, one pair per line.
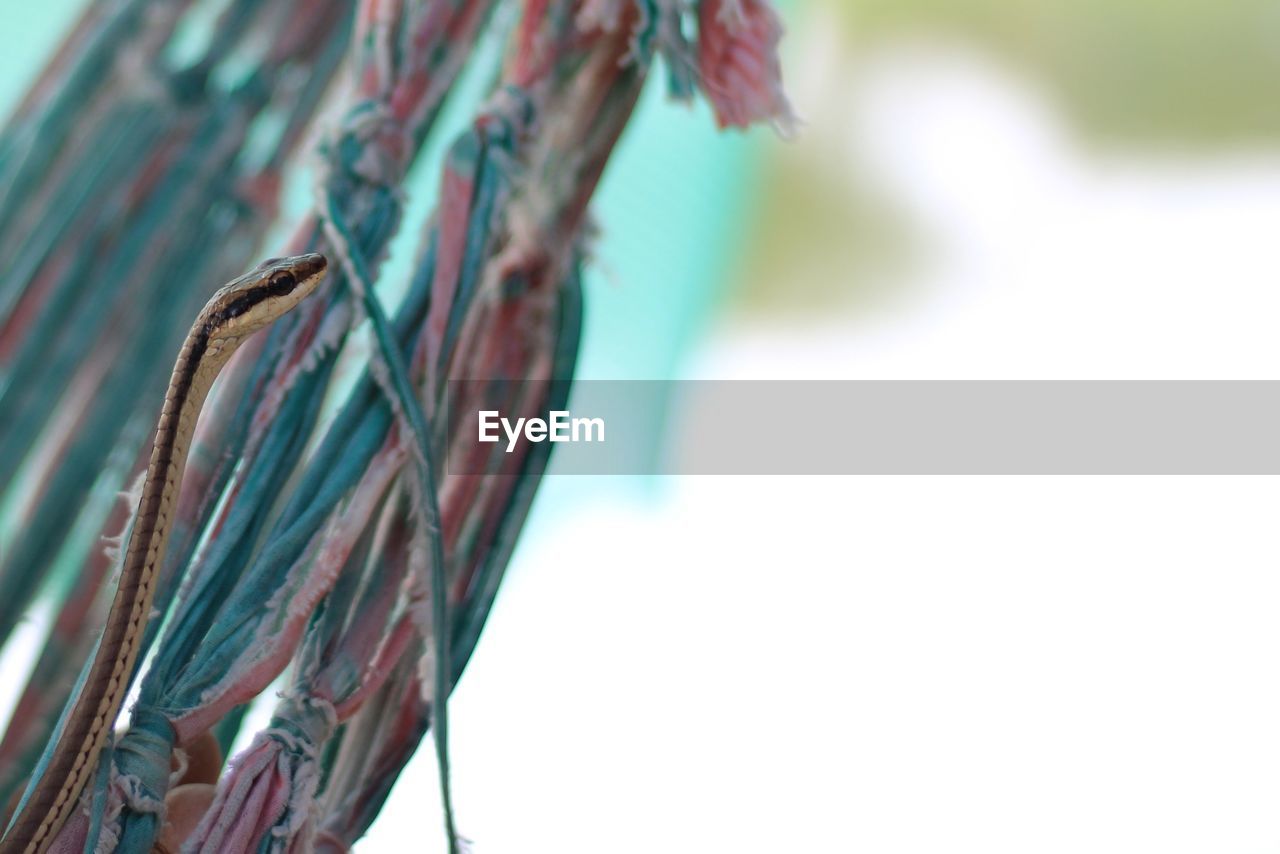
237,310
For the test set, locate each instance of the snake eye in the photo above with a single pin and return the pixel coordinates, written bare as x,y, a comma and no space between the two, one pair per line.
282,283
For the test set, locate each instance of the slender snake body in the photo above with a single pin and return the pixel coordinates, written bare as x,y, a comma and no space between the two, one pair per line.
240,308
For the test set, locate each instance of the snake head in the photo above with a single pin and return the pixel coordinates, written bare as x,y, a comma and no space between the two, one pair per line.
260,296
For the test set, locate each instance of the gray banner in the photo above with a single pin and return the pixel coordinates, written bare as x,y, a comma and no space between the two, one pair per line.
922,427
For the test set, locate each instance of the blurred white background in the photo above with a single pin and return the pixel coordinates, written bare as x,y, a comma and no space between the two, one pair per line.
921,664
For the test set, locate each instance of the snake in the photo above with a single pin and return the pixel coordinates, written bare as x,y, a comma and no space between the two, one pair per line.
237,310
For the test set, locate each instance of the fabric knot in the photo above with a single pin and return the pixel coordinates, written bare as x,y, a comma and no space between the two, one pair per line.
370,146
143,752
303,723
515,103
139,781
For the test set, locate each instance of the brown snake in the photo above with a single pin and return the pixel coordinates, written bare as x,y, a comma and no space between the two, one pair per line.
237,310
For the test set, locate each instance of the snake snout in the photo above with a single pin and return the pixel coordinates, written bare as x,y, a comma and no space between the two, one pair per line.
311,264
